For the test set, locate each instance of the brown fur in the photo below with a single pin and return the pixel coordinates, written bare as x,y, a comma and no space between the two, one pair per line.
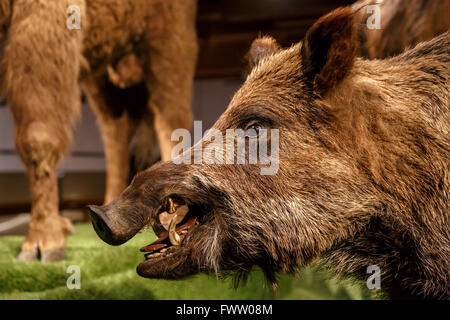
404,23
135,60
363,173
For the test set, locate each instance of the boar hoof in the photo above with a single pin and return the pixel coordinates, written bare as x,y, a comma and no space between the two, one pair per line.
28,255
53,255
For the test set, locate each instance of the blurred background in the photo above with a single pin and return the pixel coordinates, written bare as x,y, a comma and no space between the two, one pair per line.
226,28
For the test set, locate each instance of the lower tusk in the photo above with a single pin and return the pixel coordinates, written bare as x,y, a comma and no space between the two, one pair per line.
173,235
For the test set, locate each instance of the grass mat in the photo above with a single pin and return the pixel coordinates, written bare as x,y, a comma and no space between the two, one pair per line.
109,273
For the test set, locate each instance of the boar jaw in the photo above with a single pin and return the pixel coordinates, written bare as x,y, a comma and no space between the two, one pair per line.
168,251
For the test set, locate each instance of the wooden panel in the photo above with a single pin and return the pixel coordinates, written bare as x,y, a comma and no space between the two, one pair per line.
227,28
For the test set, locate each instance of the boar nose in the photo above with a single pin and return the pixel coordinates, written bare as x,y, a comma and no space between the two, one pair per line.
100,223
105,227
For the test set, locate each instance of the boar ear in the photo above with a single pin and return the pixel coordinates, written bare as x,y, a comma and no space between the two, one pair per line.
329,49
262,48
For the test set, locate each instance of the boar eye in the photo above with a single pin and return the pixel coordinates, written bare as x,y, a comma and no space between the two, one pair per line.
252,130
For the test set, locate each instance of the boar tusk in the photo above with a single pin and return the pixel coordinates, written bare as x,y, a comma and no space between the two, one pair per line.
170,206
173,235
166,218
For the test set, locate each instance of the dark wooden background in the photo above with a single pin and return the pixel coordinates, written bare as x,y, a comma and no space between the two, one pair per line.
226,28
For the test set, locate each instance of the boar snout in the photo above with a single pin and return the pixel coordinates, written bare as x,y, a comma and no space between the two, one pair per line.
140,205
111,226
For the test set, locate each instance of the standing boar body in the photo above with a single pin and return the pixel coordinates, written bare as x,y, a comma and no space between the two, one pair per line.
363,174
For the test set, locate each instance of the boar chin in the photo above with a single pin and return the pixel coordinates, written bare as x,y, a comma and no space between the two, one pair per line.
176,266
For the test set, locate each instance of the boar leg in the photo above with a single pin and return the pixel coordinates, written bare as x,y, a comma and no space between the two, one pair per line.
116,129
170,60
41,86
41,146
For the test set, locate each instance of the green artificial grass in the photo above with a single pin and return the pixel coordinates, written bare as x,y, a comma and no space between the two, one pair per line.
109,273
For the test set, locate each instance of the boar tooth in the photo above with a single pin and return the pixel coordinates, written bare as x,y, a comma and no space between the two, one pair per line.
170,206
143,229
173,235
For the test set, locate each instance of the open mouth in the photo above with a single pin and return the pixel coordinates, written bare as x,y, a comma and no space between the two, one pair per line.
176,218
